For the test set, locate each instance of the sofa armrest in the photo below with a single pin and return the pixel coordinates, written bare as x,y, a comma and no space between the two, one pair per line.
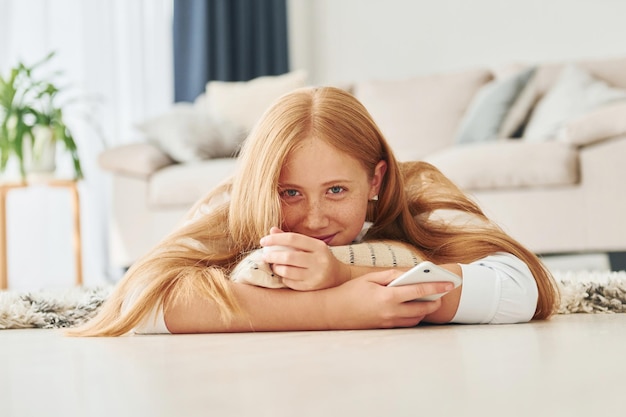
137,159
604,123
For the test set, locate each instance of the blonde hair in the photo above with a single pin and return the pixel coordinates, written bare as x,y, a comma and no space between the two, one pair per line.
199,256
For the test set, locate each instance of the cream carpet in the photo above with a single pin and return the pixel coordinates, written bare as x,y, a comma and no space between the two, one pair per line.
581,292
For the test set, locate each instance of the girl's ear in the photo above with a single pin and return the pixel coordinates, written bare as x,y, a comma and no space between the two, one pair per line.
377,178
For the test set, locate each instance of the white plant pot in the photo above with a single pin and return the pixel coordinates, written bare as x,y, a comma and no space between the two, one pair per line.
40,157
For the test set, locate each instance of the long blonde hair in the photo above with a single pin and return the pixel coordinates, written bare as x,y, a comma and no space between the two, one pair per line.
198,256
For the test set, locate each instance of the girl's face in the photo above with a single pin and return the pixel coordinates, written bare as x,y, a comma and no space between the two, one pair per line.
324,193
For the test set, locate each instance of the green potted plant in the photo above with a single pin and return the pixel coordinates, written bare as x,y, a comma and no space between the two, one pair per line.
32,121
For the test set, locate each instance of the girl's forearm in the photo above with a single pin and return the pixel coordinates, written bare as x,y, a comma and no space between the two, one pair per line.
262,310
357,271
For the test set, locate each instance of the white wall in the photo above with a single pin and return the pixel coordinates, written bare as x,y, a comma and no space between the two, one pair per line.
350,40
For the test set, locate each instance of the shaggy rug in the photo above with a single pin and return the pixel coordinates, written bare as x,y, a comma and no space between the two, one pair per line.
50,309
581,292
592,292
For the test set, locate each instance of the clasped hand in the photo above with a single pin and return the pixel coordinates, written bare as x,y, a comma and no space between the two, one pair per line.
309,266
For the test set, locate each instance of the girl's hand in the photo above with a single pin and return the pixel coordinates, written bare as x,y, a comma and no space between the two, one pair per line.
310,266
366,302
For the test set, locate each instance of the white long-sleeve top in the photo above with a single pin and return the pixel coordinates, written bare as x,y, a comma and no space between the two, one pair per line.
498,289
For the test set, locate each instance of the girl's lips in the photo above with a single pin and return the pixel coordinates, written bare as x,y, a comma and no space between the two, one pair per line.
326,239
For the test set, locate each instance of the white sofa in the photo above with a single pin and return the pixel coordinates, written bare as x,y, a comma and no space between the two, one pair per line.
558,189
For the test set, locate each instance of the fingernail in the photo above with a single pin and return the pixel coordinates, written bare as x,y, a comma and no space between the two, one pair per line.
449,287
263,240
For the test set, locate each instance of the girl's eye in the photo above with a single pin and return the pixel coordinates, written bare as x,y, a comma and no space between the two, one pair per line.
336,189
289,193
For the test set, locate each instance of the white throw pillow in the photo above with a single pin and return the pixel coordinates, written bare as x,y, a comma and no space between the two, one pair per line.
483,119
603,123
242,103
186,134
575,93
385,254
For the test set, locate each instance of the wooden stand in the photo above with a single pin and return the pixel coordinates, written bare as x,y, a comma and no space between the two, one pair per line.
4,190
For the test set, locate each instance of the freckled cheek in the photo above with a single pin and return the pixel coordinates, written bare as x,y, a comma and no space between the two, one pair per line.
352,216
348,219
291,217
350,211
344,214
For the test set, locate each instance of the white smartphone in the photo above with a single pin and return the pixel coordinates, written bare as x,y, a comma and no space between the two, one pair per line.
427,272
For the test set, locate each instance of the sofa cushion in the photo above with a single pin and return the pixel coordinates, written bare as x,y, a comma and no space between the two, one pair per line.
519,112
602,123
422,114
187,134
242,103
508,164
610,70
489,107
184,184
136,159
575,93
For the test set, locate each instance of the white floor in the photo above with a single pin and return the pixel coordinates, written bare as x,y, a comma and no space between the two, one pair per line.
569,366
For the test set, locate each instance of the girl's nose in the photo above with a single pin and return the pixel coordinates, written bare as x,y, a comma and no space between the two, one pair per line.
316,216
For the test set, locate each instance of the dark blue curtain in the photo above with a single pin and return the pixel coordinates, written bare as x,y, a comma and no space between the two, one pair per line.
227,40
